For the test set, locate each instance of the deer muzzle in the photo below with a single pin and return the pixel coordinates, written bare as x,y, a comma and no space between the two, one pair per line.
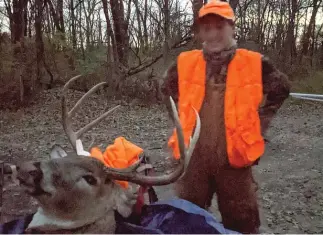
30,176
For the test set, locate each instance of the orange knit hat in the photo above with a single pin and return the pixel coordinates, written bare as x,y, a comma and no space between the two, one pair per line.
219,8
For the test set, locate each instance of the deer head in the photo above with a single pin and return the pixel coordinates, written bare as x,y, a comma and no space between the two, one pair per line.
77,192
74,192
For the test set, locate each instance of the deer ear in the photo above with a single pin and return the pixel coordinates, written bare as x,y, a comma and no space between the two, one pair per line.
57,152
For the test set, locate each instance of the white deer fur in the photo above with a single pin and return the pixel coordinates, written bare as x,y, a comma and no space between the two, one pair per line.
73,203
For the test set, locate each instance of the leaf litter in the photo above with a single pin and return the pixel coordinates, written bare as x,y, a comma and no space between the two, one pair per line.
289,174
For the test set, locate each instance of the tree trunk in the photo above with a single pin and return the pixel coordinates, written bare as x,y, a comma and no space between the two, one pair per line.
40,58
73,26
10,16
39,39
18,29
140,22
166,32
19,24
87,25
145,27
58,18
120,30
61,16
196,4
290,43
81,33
110,33
311,26
26,20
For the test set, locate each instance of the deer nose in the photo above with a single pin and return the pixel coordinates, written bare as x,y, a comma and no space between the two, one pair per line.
29,173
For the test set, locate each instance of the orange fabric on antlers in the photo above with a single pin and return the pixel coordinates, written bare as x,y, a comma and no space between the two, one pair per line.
121,154
219,8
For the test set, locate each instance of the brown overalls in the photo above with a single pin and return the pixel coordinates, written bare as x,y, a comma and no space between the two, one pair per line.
209,171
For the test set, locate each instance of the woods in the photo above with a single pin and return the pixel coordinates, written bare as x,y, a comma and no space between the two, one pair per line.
130,43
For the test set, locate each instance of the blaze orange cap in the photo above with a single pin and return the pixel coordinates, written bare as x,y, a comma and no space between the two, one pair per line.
219,8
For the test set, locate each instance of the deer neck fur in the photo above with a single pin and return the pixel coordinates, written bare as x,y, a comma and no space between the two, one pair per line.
45,223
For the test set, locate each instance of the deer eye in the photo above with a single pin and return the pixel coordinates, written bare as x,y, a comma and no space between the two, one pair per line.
90,179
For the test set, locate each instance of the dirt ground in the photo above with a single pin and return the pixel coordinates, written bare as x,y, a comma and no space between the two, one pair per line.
289,174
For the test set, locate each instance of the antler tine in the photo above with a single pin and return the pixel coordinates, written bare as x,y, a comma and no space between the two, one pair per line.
183,161
180,135
95,122
193,140
80,101
66,116
66,86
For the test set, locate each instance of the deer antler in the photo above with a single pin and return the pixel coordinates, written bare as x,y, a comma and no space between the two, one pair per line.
131,174
135,177
67,115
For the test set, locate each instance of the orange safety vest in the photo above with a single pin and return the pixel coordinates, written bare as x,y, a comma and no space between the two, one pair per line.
243,96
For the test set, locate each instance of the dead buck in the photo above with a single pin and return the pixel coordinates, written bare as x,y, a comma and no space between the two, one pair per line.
77,193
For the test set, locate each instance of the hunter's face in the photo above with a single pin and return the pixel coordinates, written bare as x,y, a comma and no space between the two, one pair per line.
216,32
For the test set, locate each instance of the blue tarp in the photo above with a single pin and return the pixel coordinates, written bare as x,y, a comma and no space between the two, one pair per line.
173,216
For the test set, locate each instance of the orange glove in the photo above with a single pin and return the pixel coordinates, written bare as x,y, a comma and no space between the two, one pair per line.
121,154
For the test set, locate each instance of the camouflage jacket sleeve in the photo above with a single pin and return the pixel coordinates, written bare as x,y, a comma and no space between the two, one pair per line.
276,88
170,87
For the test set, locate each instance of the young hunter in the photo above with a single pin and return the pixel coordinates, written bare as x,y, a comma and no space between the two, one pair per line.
226,85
